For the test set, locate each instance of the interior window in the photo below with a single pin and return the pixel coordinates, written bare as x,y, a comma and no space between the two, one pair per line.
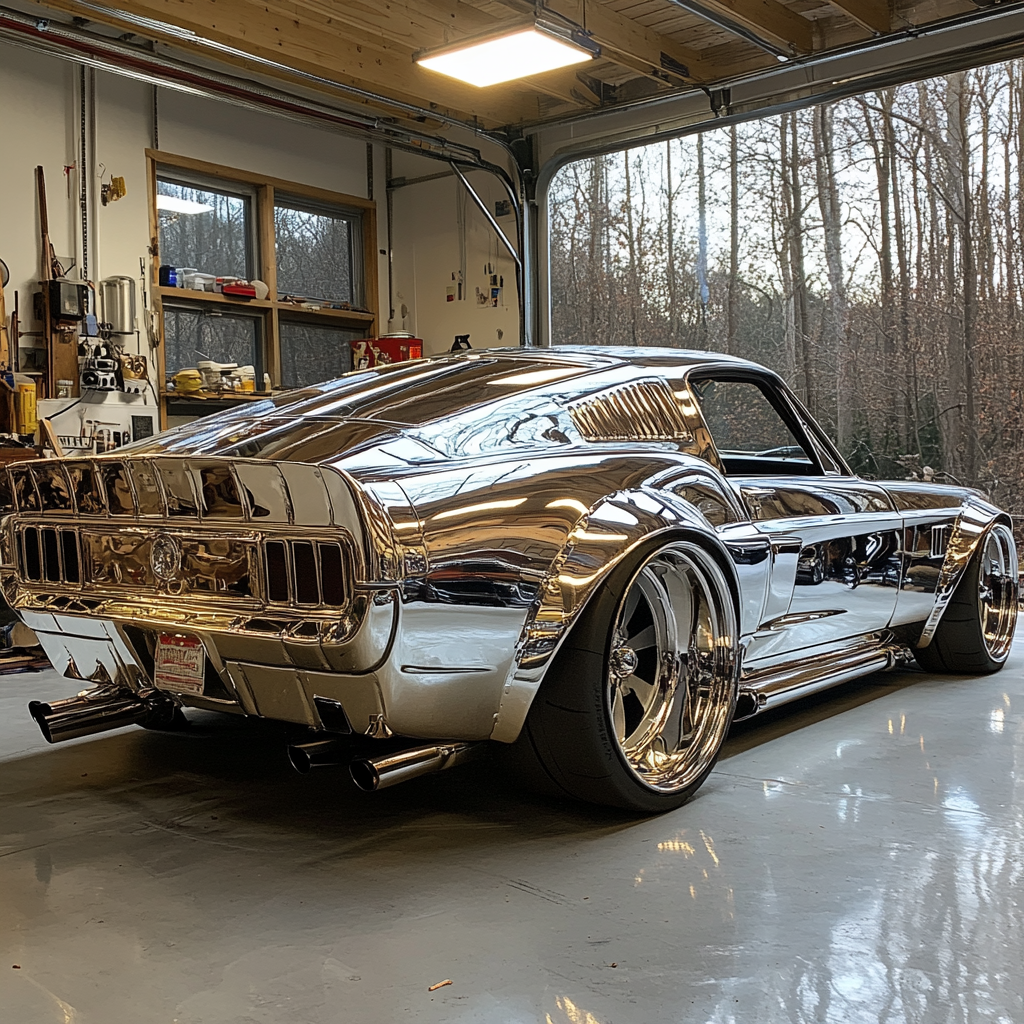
311,353
205,228
192,333
750,434
318,251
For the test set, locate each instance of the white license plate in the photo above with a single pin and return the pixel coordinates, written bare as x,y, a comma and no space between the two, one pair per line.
180,664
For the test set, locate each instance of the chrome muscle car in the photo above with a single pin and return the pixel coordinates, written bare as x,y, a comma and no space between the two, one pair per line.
599,558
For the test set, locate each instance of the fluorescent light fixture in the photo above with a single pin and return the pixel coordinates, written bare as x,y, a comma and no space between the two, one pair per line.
172,204
515,54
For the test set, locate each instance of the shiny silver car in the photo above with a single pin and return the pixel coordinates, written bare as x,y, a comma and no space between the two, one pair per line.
599,558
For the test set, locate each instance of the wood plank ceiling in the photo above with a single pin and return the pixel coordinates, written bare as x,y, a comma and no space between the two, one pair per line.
647,47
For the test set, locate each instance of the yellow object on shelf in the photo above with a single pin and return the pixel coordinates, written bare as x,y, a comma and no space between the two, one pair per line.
25,409
187,382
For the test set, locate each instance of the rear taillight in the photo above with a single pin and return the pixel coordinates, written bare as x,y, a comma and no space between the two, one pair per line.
307,573
46,553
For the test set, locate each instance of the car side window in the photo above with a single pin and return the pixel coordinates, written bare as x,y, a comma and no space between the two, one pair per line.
751,435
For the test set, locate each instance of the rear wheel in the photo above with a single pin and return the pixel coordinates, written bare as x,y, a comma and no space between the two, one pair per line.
636,706
975,633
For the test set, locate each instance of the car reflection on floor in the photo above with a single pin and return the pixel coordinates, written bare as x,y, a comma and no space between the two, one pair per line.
852,857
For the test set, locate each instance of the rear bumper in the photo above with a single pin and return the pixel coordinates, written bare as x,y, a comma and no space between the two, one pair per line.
414,669
262,675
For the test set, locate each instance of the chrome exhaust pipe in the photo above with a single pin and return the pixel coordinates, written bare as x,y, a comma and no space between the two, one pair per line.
99,710
373,773
319,754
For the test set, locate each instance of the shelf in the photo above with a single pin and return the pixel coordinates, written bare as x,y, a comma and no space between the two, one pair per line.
288,308
216,396
189,295
353,315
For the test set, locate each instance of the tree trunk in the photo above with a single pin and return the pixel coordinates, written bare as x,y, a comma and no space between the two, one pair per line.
785,253
732,345
702,241
953,146
831,220
670,265
903,283
631,274
970,280
799,271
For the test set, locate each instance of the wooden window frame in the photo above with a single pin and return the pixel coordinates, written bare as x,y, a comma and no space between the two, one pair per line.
270,309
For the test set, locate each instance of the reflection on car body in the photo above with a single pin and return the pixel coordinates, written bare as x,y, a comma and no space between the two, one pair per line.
598,558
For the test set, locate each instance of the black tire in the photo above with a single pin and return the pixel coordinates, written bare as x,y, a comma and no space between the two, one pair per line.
974,635
569,745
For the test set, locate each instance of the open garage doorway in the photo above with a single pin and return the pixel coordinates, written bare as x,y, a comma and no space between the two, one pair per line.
869,250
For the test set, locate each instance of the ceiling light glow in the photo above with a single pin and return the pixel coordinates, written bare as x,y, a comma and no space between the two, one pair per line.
173,204
532,377
527,51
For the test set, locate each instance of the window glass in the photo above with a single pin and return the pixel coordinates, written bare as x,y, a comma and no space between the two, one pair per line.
311,353
194,334
746,428
315,247
205,229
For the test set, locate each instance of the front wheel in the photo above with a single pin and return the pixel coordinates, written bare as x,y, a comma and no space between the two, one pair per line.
638,701
975,633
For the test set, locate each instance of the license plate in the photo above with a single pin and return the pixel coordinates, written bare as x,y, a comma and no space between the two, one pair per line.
180,664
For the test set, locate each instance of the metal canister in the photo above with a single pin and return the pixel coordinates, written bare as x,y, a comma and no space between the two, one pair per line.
117,300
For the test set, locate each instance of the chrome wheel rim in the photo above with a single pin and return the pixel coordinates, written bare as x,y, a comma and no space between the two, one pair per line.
671,674
998,588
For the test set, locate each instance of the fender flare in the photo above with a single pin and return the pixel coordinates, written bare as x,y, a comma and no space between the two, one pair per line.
972,525
605,536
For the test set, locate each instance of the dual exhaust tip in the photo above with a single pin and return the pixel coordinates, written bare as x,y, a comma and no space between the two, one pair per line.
373,773
101,709
110,707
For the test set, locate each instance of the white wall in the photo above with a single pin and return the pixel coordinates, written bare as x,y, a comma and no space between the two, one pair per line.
35,94
39,117
427,254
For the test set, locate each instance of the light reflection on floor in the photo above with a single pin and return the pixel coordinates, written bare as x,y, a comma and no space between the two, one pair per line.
858,858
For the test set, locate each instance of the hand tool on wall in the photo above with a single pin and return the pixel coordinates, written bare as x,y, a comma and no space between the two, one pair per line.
7,415
15,336
50,267
60,339
5,337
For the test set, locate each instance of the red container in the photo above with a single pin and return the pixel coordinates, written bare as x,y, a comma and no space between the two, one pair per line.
369,352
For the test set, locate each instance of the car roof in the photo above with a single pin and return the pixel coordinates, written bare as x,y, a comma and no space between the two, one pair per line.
637,355
368,404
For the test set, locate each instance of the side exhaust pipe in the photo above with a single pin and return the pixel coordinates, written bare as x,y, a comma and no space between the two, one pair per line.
98,710
319,754
373,773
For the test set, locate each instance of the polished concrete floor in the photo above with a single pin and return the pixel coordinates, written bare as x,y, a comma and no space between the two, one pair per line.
852,859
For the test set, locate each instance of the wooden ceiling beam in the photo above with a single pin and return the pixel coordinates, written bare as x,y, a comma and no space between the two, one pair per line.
766,19
438,22
430,25
565,84
417,24
623,41
618,35
874,15
325,49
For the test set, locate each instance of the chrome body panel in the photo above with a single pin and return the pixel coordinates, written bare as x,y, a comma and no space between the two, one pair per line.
968,531
409,546
836,548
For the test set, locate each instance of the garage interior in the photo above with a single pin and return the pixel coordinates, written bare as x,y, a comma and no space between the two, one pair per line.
853,857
